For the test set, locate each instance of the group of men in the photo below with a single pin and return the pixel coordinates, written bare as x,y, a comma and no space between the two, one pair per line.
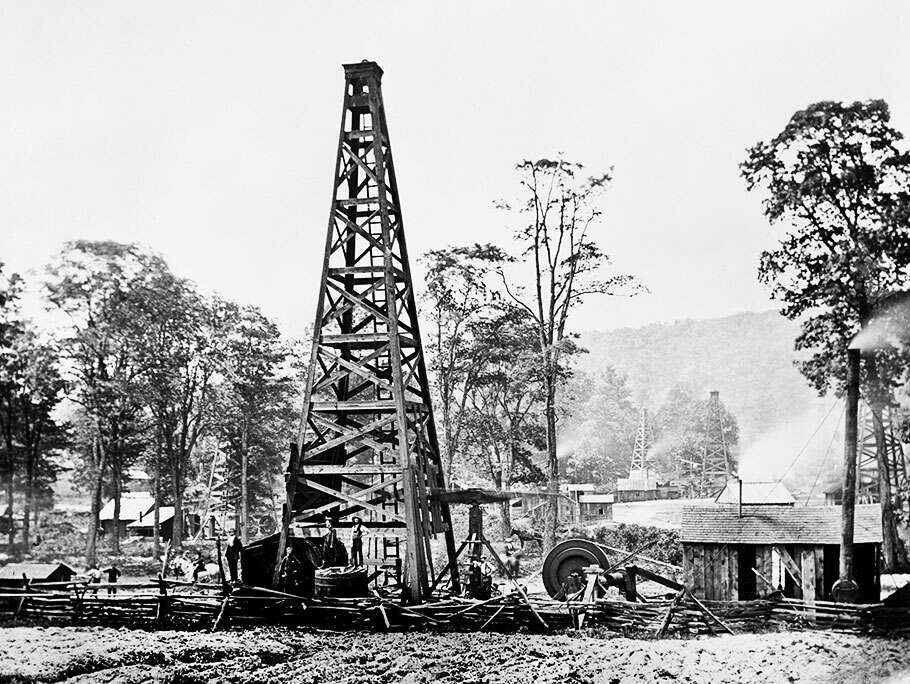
331,553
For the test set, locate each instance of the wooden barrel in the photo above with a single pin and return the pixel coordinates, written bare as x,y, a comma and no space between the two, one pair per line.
340,583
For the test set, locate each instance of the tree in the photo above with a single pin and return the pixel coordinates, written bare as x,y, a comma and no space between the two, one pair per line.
10,330
566,266
30,387
33,391
103,288
838,179
456,298
183,352
256,407
604,418
681,433
501,420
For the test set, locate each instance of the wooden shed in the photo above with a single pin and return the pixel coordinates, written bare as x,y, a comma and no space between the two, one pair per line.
595,507
794,549
13,575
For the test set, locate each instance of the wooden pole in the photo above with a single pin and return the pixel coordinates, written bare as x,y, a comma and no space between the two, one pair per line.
846,589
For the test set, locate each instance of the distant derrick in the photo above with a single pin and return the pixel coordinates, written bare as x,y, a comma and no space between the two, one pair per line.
715,466
640,463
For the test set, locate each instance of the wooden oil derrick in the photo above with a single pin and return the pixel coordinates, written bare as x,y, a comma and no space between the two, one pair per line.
715,466
643,438
367,444
869,462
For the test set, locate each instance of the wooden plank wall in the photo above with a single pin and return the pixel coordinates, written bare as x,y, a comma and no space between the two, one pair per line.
711,571
765,567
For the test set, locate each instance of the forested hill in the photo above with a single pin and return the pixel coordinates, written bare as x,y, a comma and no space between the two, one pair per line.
748,357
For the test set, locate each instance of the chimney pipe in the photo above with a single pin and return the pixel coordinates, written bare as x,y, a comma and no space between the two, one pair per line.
739,483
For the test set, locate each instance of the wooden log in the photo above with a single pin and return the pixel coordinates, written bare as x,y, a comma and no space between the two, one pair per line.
221,613
669,616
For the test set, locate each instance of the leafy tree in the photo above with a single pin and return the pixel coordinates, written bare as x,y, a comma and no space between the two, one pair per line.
183,351
681,433
10,330
837,178
561,208
456,298
255,408
103,288
32,389
604,420
502,418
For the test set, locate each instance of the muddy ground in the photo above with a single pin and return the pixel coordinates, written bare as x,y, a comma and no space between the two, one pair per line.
60,654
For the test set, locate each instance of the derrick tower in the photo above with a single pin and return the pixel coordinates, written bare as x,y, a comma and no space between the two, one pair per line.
643,438
367,444
869,471
715,465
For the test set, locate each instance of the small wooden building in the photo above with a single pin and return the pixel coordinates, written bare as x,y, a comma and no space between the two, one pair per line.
13,575
794,549
595,506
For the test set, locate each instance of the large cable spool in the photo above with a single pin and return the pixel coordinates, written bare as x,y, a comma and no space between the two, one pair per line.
568,557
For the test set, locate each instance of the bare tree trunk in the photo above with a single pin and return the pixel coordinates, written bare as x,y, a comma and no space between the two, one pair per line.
177,533
117,476
552,517
10,482
893,550
244,490
505,511
10,491
31,457
851,432
156,518
91,551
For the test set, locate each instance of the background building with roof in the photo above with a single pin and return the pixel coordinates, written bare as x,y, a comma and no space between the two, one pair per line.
133,505
755,493
728,555
13,575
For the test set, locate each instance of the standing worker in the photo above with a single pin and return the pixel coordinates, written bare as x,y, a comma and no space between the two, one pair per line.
113,573
232,553
288,570
94,576
357,532
198,566
329,544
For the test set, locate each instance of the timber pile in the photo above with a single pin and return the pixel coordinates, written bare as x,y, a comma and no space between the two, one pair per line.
168,604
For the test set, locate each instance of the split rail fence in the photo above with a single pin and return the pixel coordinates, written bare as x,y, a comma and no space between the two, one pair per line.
169,604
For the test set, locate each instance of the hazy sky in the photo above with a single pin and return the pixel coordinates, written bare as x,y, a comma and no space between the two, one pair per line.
207,130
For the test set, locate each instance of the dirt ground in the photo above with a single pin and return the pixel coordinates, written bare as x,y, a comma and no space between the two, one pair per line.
122,656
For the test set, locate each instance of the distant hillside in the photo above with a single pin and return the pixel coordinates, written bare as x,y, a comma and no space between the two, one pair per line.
748,357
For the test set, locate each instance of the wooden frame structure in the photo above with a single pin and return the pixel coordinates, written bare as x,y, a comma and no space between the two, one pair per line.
367,443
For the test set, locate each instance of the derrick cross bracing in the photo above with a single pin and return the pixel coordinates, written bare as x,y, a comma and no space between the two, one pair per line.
715,468
367,444
882,465
639,462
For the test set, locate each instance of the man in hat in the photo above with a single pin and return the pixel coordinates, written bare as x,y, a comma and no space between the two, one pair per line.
357,532
329,543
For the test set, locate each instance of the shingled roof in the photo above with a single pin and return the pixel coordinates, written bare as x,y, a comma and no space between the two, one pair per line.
720,524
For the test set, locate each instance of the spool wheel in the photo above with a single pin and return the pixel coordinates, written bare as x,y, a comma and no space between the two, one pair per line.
567,558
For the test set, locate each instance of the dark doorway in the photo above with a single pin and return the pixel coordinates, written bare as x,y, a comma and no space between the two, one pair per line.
832,569
748,588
